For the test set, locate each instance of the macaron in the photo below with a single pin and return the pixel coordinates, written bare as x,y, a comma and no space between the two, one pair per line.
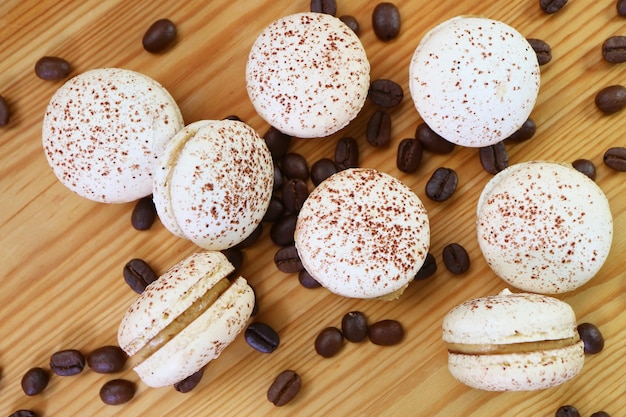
103,131
213,183
474,80
362,233
513,342
544,227
185,319
308,74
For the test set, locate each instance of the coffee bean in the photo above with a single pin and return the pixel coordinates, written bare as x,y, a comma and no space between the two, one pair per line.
347,153
233,117
329,342
4,112
274,210
525,132
542,50
138,275
600,414
24,413
431,141
287,260
52,68
378,131
442,184
190,382
160,36
261,337
385,93
279,180
251,238
107,359
34,381
494,158
255,308
283,229
586,167
284,388
614,49
295,192
307,280
293,165
67,362
567,411
235,257
611,99
409,155
615,158
428,269
456,258
386,332
386,21
324,6
354,326
551,6
592,338
117,391
351,22
144,214
621,7
277,142
322,169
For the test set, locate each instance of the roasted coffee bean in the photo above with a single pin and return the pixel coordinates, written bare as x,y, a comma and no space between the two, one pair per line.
283,229
567,411
442,184
378,131
277,142
261,337
525,132
233,117
592,338
354,326
385,93
160,36
456,258
386,21
611,99
251,238
287,260
494,158
551,6
295,192
615,158
274,210
190,382
307,280
428,269
600,414
279,180
329,342
351,22
138,275
621,7
386,332
284,388
107,359
324,6
52,68
24,413
235,257
614,49
144,214
4,112
322,169
117,391
294,166
409,155
431,141
67,362
347,153
586,167
255,308
34,381
542,50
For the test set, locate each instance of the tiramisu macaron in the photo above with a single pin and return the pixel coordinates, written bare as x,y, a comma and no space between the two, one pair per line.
544,227
103,131
308,75
474,80
362,233
213,183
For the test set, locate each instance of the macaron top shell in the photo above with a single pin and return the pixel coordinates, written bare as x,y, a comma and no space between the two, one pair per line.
308,74
474,80
103,131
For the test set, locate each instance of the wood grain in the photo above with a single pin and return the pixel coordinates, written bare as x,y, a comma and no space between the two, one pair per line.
62,256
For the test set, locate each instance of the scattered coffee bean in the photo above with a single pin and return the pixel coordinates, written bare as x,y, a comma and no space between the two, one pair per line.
324,6
351,22
294,166
385,93
442,184
251,238
284,388
551,6
4,111
615,158
525,132
235,257
592,338
24,413
542,50
283,229
279,180
611,99
567,411
428,269
307,280
322,169
52,68
614,49
386,21
621,7
347,153
329,342
600,414
287,260
494,158
107,359
138,275
144,214
409,155
585,166
34,381
255,307
295,192
190,382
67,362
117,391
456,258
378,131
386,332
233,117
277,142
431,141
160,36
261,337
275,210
354,326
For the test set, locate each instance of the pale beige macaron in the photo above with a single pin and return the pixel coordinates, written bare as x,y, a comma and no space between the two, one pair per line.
362,233
185,319
544,227
474,80
213,183
308,74
103,131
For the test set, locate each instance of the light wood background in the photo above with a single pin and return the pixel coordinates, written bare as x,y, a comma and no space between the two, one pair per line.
62,256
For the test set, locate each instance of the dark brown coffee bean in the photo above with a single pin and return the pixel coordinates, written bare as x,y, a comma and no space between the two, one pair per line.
428,269
409,155
494,158
551,6
235,257
190,382
274,210
621,7
567,411
351,22
386,21
611,99
138,275
586,167
614,49
277,142
615,158
24,413
255,308
431,141
385,93
279,180
347,153
307,280
52,68
233,117
592,338
117,391
324,6
35,380
284,388
107,359
456,258
294,166
322,169
144,214
160,36
600,414
542,50
67,362
283,229
287,260
4,112
329,342
251,238
295,192
386,332
525,132
378,131
354,326
442,184
261,337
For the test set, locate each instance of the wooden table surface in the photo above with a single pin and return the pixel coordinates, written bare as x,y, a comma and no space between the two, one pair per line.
62,255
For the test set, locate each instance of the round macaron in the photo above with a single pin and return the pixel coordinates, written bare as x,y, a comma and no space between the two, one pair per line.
544,226
103,131
213,183
185,319
474,80
362,233
513,342
308,75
